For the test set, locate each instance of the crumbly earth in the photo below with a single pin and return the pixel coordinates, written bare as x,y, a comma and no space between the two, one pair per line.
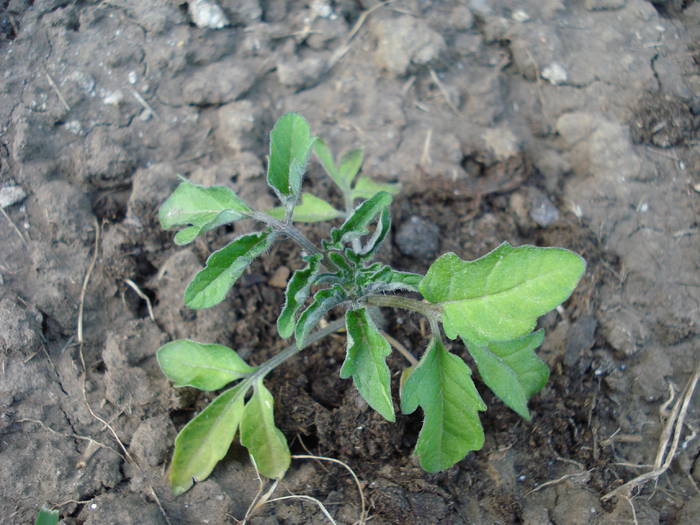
555,123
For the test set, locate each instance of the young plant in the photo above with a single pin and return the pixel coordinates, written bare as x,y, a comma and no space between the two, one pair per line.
491,304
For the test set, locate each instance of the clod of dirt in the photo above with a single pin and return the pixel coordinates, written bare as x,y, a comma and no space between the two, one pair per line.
664,121
576,506
62,212
151,441
239,126
624,330
132,376
297,72
105,162
150,186
20,326
404,41
580,340
121,509
419,238
218,83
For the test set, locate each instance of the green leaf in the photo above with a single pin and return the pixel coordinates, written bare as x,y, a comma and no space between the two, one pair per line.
204,366
324,301
500,296
325,157
349,165
380,233
389,280
296,294
264,441
441,384
365,362
310,209
290,145
512,370
223,268
47,517
366,188
201,208
356,225
204,441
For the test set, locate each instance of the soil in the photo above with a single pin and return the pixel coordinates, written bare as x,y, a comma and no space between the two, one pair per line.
554,123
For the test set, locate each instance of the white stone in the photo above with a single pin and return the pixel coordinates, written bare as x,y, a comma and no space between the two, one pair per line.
206,13
555,74
10,195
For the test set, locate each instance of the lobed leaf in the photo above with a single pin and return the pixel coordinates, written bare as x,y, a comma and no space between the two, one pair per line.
296,294
290,146
365,362
441,385
264,441
500,296
366,188
204,441
324,301
223,268
310,209
356,225
203,366
512,370
201,209
382,230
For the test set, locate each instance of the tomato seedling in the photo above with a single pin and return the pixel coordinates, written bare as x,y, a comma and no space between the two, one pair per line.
491,304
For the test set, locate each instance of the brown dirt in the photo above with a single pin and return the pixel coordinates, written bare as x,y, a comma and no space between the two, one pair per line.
465,104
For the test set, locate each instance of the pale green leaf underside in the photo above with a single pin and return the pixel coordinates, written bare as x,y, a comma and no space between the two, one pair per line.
204,441
500,296
512,370
310,209
325,157
349,165
200,209
365,362
203,366
290,145
223,268
356,225
366,188
297,292
324,301
264,441
441,384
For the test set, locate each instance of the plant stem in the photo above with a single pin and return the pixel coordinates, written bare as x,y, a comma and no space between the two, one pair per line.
294,234
431,311
293,349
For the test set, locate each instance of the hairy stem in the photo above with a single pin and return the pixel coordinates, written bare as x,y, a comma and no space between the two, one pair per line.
293,349
294,234
431,311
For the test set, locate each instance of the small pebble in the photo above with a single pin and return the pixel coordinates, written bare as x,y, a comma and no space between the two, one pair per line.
279,278
418,238
10,195
555,74
206,13
542,211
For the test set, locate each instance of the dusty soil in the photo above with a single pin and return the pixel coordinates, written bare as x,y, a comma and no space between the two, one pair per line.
570,123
